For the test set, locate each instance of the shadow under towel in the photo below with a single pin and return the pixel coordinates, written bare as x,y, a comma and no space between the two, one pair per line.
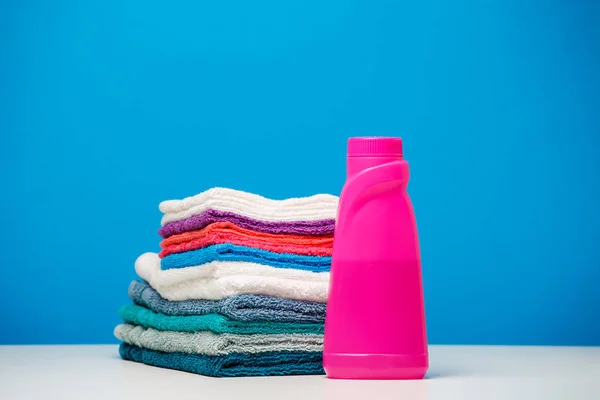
230,365
242,307
216,323
232,252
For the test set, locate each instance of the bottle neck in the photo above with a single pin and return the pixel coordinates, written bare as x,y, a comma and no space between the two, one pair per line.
354,165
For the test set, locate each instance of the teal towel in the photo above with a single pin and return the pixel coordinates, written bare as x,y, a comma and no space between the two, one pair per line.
232,252
234,364
216,323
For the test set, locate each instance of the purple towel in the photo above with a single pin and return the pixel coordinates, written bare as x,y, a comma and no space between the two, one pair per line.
321,227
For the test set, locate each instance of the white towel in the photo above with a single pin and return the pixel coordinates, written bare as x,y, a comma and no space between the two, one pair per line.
312,208
220,279
209,343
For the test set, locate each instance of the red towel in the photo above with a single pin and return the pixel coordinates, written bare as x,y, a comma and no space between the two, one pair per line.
227,232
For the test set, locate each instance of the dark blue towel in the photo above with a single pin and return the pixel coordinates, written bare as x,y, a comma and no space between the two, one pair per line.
235,364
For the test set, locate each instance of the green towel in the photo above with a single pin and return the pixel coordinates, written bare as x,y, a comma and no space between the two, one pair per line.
217,323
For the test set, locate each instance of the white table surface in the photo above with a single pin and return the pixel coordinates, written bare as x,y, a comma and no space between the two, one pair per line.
456,372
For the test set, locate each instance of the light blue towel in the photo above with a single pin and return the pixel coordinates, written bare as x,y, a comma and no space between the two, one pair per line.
232,252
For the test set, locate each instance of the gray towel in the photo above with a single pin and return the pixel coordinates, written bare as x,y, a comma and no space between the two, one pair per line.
209,343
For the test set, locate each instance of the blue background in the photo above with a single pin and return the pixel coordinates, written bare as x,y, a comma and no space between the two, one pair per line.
109,107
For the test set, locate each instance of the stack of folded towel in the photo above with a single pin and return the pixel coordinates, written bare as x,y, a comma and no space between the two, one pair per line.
238,289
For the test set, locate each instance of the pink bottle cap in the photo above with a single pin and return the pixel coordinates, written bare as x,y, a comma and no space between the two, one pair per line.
374,147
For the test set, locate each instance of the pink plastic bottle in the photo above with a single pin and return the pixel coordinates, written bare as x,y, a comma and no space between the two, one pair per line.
375,324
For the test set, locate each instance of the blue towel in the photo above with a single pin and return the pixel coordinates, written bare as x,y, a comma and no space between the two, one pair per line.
234,364
242,307
232,252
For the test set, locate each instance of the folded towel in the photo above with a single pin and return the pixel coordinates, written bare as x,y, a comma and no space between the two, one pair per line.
220,279
211,344
242,307
232,252
199,221
228,232
312,208
137,315
236,364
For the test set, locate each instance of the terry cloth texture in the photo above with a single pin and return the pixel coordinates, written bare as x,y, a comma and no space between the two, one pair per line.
212,344
243,307
217,323
228,232
235,364
232,252
220,279
199,221
312,208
